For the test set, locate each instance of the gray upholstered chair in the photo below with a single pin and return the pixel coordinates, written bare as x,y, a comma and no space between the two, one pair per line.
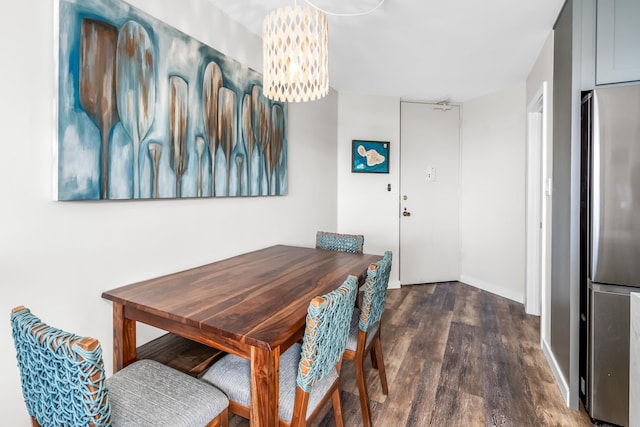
364,335
309,373
327,241
63,383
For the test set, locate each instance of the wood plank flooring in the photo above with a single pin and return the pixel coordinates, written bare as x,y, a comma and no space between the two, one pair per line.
456,356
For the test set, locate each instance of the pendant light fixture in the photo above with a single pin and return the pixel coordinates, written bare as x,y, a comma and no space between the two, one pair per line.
295,54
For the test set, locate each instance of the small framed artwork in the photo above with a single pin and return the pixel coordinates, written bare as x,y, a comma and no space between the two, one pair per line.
370,156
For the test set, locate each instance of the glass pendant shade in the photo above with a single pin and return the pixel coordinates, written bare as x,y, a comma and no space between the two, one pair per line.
295,54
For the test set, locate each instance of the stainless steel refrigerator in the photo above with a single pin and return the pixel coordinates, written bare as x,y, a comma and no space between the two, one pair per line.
610,245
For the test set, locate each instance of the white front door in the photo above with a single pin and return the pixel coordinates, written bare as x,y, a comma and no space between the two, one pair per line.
430,193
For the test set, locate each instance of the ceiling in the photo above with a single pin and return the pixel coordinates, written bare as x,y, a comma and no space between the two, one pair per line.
426,50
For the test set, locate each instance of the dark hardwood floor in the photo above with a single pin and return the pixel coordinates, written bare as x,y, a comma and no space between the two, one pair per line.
456,356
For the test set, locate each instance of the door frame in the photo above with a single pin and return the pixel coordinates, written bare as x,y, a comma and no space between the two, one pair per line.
538,190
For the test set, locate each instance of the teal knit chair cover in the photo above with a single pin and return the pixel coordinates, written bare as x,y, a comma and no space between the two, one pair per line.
327,241
375,292
326,333
62,384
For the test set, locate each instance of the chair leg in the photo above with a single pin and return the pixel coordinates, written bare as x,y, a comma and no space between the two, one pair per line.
300,405
337,407
222,420
374,362
377,349
362,389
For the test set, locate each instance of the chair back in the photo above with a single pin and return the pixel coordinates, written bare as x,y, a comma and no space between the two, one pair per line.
326,333
375,292
327,241
63,378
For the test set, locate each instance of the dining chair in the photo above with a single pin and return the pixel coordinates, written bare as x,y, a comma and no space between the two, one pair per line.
364,334
309,372
339,242
64,384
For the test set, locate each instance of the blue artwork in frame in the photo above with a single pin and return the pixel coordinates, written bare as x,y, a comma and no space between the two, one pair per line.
370,156
145,111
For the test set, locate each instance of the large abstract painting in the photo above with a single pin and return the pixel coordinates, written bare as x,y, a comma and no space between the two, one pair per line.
145,111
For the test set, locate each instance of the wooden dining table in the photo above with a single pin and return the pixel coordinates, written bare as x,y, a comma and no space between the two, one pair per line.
252,305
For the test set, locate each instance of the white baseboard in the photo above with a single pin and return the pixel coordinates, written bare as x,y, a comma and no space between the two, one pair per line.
557,373
394,284
494,289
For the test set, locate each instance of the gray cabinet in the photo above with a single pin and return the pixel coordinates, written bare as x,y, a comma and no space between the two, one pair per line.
617,41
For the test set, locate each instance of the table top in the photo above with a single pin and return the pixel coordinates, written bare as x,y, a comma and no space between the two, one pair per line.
259,298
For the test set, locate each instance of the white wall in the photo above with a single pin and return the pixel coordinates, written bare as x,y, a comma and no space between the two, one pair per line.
364,204
492,185
492,220
58,257
542,70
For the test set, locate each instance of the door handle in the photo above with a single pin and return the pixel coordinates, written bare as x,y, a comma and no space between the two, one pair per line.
406,213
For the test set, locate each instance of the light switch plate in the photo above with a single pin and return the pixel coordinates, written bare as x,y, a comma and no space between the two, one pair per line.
431,174
548,186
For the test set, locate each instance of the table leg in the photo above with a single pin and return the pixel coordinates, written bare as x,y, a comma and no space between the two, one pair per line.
265,368
124,338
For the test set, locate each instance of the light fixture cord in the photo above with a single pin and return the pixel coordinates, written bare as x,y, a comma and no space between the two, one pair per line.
326,12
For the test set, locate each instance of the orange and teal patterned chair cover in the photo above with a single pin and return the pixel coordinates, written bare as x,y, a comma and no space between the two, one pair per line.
375,293
327,241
